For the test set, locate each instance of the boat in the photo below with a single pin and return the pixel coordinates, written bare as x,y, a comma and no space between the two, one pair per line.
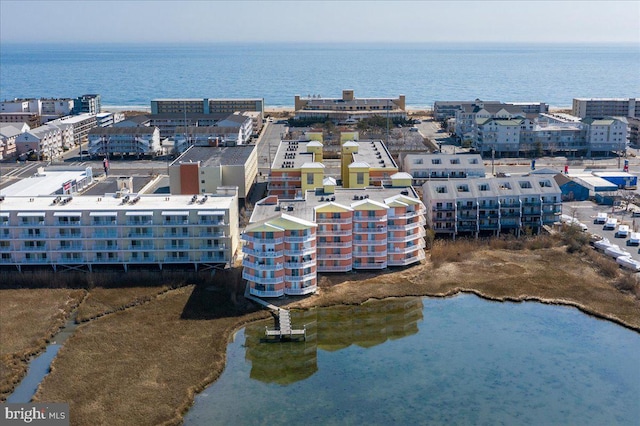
628,263
616,252
602,244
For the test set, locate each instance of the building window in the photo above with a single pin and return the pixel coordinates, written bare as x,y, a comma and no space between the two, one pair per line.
309,179
360,178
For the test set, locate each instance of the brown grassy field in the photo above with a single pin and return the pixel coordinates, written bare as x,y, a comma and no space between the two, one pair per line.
28,318
102,301
143,365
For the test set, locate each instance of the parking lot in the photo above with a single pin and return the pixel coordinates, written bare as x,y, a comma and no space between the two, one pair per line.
586,212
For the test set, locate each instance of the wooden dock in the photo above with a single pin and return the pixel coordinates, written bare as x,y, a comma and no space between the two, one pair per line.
284,330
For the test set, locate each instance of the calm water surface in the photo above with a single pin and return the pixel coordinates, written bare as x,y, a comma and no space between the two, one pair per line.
460,360
133,74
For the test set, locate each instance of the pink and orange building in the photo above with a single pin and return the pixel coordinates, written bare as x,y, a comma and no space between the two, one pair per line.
332,229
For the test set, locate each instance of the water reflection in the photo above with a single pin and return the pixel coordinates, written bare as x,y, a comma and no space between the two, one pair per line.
366,325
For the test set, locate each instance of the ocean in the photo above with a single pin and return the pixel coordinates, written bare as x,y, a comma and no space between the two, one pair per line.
130,75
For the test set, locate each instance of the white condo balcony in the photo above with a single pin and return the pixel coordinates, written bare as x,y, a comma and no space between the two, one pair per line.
262,253
301,291
262,266
261,280
251,239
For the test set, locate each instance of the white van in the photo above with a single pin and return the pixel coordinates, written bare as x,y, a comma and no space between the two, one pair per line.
634,239
601,218
610,224
623,231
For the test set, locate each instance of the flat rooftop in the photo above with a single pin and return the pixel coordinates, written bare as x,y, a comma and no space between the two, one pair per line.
292,154
375,154
46,183
304,209
111,203
213,156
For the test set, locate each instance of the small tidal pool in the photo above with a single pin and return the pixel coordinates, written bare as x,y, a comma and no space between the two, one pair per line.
460,360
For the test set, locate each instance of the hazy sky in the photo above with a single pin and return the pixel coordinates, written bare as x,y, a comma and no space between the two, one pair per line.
320,21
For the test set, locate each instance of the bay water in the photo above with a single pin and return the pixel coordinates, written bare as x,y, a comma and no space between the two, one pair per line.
460,360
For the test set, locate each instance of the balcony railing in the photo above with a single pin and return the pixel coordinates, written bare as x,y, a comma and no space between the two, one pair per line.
369,265
266,293
299,265
382,242
333,256
262,280
329,232
407,260
332,268
369,253
263,266
300,278
301,291
377,230
370,219
262,253
332,220
336,244
302,239
257,240
300,252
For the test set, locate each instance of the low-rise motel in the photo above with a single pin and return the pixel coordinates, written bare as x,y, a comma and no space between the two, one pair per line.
309,224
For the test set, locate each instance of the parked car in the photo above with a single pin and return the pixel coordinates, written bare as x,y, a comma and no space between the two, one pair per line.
610,224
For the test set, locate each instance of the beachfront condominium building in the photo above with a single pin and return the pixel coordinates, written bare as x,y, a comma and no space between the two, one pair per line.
87,104
120,230
202,169
491,205
297,166
207,106
119,141
424,167
467,117
46,108
444,110
331,229
605,107
550,134
348,109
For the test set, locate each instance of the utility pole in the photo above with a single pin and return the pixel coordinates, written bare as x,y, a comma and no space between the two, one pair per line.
493,157
387,122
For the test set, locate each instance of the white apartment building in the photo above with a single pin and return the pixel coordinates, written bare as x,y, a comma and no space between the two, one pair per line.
47,107
46,142
605,107
491,205
8,135
109,141
119,230
550,135
424,167
81,124
468,116
606,135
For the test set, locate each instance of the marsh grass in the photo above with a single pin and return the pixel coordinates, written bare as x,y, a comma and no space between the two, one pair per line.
28,319
144,364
